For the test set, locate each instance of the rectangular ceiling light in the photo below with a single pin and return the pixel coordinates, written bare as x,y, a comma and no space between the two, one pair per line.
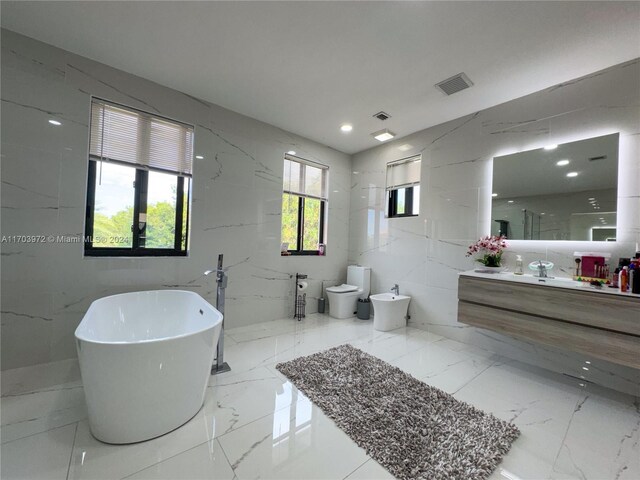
383,135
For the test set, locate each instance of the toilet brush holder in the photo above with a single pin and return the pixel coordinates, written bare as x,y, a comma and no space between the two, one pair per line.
321,305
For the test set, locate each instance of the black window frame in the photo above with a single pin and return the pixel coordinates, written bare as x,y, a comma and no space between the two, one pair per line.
300,231
392,203
137,248
302,195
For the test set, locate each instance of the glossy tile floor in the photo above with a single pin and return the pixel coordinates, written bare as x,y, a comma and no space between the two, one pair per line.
255,424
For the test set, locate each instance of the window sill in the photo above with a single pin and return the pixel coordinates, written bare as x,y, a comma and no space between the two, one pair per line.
403,216
307,253
119,252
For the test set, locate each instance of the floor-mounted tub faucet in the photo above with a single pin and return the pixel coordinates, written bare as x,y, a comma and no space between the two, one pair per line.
396,289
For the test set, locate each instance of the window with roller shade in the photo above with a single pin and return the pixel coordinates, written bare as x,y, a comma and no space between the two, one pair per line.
403,187
304,206
139,183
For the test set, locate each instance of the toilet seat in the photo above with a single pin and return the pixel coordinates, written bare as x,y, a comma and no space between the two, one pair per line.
344,288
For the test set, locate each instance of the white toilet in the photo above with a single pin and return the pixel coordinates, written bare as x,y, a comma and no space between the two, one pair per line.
343,299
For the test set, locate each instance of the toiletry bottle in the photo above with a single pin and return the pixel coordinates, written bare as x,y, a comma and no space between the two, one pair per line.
624,277
634,280
615,277
635,286
519,270
631,274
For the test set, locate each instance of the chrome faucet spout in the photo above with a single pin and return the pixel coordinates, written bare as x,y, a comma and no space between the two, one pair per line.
396,289
542,269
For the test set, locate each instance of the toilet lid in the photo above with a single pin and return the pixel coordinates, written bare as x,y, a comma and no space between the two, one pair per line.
344,288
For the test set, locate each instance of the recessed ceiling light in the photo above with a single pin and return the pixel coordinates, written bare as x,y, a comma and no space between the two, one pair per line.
510,201
572,174
543,213
562,163
291,152
383,135
199,157
346,128
600,219
591,198
55,122
551,147
494,194
405,147
585,368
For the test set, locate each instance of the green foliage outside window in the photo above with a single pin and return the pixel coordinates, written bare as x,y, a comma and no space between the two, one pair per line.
160,229
311,222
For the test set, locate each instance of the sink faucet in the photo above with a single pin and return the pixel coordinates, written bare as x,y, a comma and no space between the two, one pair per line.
396,289
542,269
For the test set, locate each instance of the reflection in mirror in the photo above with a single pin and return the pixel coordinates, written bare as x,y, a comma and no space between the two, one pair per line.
559,192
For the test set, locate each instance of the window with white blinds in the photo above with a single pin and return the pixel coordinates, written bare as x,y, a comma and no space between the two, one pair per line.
305,178
404,173
304,207
129,136
403,187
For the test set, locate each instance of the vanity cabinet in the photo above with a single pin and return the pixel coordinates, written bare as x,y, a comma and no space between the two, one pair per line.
599,324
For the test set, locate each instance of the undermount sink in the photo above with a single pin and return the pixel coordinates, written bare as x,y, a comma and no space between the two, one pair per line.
389,311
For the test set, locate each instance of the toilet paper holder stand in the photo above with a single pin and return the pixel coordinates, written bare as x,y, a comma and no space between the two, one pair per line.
300,299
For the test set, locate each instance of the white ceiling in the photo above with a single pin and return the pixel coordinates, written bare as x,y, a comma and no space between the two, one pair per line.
307,67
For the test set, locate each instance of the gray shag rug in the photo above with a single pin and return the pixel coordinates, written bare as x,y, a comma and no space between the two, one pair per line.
414,430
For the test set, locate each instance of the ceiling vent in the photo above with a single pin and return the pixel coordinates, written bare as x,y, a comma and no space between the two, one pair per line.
382,116
595,159
454,84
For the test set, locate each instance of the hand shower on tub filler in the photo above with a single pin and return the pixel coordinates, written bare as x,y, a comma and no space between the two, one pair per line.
300,296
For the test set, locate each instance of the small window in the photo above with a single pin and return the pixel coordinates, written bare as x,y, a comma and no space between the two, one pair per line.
139,183
403,187
304,207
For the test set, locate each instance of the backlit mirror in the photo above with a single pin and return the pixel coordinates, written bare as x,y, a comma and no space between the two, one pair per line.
559,192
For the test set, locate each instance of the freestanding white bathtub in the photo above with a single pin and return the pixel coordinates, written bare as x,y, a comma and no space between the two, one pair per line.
145,360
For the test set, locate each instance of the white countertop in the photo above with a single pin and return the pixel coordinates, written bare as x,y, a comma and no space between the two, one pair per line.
557,282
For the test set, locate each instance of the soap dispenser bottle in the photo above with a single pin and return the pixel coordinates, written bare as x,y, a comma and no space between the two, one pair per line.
519,270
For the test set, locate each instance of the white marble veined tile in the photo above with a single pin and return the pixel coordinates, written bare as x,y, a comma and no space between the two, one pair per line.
370,470
233,434
395,344
296,443
235,400
34,412
44,456
206,461
442,367
541,404
39,377
613,452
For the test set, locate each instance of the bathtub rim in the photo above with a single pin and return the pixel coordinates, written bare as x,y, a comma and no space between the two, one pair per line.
152,340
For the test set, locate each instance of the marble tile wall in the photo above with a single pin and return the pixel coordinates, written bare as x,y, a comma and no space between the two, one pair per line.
46,288
424,254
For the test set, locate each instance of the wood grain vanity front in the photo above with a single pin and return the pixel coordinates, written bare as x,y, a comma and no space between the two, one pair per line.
594,323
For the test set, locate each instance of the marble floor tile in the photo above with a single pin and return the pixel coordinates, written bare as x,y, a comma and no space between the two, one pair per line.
540,404
613,451
39,377
255,423
294,443
441,367
42,456
206,461
370,470
35,412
